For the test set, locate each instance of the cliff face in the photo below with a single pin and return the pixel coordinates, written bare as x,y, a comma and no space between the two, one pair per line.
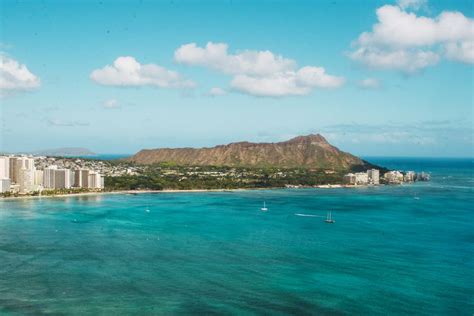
312,151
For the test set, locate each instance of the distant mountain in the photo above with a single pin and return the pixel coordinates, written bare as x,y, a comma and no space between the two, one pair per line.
312,151
69,151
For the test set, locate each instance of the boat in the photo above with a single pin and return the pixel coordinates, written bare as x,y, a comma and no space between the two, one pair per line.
329,219
264,208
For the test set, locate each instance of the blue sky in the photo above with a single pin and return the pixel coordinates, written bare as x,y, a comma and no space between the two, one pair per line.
272,70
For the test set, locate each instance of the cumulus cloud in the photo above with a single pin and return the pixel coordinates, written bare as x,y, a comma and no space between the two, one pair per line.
128,72
111,104
369,83
258,73
412,4
214,92
15,77
403,41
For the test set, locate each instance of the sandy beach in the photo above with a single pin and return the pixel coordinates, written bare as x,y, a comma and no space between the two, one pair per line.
132,192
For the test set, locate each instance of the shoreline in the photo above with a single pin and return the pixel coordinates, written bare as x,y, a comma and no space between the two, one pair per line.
135,192
129,192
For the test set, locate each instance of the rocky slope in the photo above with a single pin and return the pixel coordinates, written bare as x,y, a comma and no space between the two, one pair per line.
312,151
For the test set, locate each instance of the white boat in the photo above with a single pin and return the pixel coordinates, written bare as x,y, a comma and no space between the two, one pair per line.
329,219
264,208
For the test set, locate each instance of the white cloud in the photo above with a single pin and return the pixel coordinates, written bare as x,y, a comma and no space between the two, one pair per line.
15,77
214,92
111,104
402,40
288,83
258,73
412,4
369,83
128,72
215,56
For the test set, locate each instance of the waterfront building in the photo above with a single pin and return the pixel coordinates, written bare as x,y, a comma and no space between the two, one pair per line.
81,178
374,176
62,179
350,178
25,163
4,167
4,185
39,175
96,180
409,176
26,180
393,177
361,178
49,177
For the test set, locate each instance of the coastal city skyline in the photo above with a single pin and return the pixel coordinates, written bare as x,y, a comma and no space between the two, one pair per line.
117,78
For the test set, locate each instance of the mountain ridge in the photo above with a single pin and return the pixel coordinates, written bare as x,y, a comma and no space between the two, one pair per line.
310,151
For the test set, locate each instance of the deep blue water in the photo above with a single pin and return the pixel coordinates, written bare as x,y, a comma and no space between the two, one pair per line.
106,156
393,250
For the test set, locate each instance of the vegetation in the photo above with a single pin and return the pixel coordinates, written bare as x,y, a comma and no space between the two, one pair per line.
167,176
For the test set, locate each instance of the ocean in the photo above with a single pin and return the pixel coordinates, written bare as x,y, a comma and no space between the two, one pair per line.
393,250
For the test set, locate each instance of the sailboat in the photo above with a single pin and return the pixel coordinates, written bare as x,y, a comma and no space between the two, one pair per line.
329,218
264,208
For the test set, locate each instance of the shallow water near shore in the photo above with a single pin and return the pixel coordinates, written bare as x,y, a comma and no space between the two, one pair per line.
392,250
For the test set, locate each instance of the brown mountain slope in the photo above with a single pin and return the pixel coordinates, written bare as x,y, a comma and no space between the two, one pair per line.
312,151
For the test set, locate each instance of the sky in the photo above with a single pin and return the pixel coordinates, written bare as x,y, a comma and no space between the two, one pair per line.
376,78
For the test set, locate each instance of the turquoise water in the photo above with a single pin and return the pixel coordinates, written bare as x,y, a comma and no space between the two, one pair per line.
393,250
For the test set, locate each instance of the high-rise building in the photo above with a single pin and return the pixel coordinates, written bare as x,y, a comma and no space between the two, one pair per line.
81,178
62,179
18,163
4,167
4,185
49,177
39,174
26,180
374,176
96,180
13,169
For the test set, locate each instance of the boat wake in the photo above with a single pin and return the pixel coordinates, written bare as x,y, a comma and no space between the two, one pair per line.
308,215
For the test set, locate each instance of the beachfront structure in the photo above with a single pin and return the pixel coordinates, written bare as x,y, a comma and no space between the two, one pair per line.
361,178
54,178
19,163
409,176
4,167
4,185
393,177
26,180
96,180
349,178
81,178
39,178
374,176
48,177
62,179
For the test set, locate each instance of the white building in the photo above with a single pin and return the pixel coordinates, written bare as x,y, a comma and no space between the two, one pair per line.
81,178
4,185
39,175
26,180
96,180
374,176
350,178
49,177
361,178
4,167
409,176
393,177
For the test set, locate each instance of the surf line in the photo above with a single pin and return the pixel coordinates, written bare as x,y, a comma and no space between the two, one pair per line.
309,215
